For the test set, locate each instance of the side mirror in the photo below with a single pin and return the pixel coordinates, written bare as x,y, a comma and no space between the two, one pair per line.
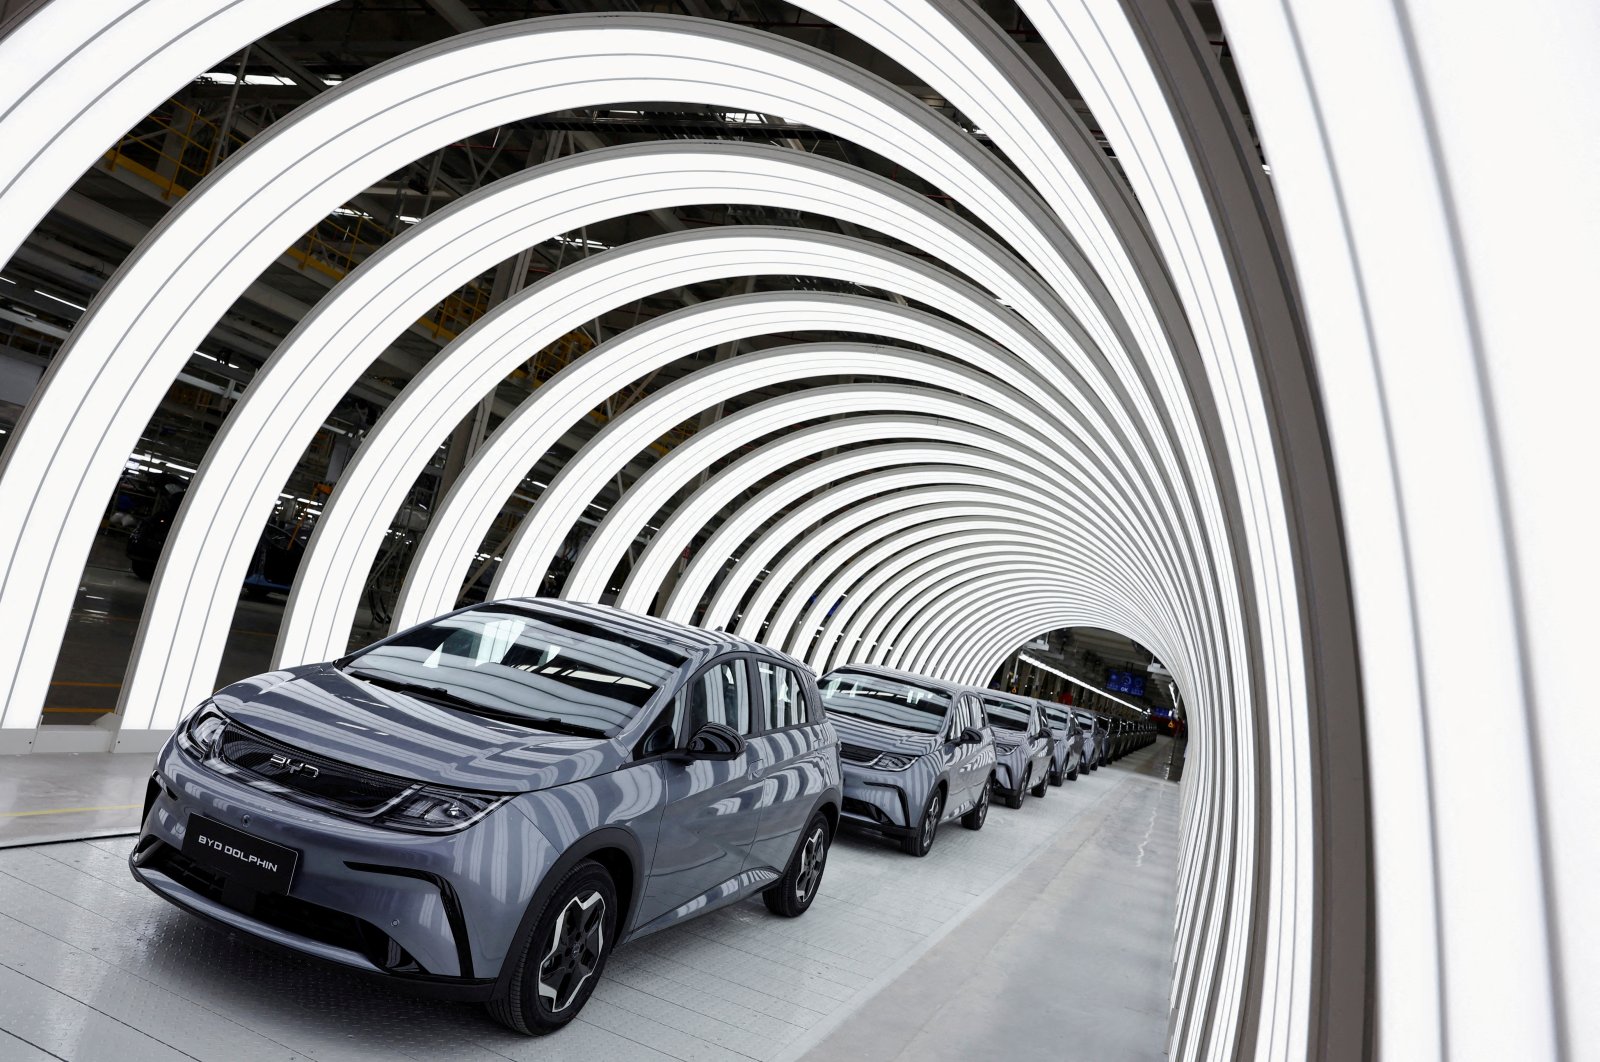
970,736
713,741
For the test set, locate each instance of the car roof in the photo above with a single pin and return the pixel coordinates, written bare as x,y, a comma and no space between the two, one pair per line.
1015,698
691,641
909,676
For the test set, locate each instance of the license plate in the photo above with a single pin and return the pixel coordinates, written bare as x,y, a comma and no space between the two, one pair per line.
250,861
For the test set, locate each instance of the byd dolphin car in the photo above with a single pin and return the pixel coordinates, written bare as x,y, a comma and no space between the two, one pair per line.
1066,744
486,804
914,752
1022,746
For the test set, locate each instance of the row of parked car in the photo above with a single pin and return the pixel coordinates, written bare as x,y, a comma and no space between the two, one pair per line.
484,805
917,752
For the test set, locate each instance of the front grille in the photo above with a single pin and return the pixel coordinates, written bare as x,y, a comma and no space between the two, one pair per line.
299,775
853,806
289,913
856,754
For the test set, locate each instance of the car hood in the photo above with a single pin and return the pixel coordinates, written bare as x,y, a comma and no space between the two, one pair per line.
880,738
325,712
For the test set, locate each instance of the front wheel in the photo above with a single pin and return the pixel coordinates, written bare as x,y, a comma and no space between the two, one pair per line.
793,893
1057,775
1072,775
565,955
1043,787
1014,800
973,820
918,843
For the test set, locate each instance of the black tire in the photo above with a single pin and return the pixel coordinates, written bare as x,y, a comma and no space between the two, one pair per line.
1042,788
802,878
1056,774
919,841
143,570
530,1006
974,819
1014,800
1072,775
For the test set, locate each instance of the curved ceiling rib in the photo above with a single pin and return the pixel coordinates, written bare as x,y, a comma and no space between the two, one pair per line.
1142,411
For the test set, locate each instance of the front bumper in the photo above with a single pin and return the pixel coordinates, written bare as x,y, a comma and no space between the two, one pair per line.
419,908
1009,765
878,800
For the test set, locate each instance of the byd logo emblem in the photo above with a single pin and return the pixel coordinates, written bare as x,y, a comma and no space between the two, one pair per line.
294,766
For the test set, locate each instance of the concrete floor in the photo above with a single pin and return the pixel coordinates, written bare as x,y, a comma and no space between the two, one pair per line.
55,796
1045,935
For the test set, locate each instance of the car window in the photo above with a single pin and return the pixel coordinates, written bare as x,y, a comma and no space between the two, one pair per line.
782,695
884,699
719,694
1007,715
524,664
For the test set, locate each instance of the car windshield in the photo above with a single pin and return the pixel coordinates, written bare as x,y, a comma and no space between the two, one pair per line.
525,665
1005,715
880,699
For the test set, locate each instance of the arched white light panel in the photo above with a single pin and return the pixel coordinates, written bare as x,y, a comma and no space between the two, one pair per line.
600,460
77,74
847,533
289,399
411,429
332,148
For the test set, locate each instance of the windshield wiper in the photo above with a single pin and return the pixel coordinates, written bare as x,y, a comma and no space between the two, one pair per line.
551,723
435,692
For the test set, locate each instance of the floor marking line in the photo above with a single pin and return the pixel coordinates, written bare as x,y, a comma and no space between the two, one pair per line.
66,811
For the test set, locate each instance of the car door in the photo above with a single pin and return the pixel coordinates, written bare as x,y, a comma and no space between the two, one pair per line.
790,761
712,806
968,774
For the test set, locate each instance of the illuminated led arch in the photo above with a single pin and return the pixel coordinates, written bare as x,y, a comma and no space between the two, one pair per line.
878,602
184,623
848,531
879,549
876,556
934,542
793,312
353,524
599,461
475,81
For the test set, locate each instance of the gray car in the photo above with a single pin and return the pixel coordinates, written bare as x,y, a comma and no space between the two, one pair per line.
1021,746
1066,742
485,804
1091,739
915,753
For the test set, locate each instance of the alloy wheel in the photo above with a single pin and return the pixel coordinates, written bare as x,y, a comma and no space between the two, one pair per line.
930,821
577,943
812,856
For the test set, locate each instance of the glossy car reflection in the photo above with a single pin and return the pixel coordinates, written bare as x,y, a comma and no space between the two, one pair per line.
1066,743
1022,746
488,803
915,753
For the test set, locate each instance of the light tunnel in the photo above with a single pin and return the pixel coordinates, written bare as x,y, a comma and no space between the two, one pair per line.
1249,362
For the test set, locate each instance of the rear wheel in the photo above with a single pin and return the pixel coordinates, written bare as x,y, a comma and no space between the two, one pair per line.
973,820
919,842
793,893
565,954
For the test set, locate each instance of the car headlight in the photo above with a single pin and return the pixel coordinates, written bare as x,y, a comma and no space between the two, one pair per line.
893,761
435,809
199,733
